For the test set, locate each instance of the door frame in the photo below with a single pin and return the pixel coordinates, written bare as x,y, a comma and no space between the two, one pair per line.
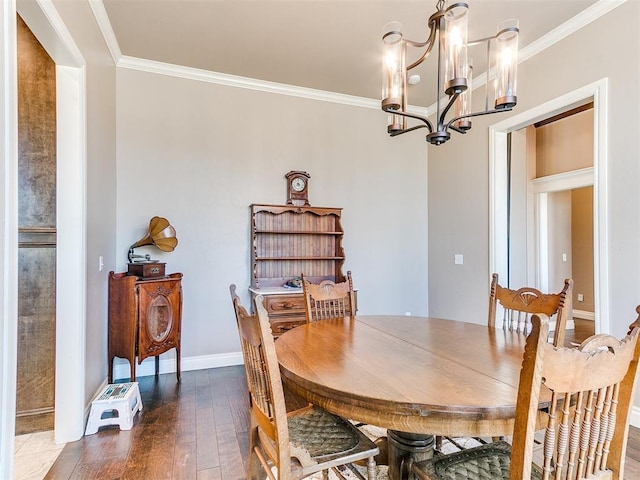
44,21
498,234
542,187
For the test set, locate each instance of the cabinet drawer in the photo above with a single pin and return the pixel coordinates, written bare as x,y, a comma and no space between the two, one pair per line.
285,324
285,305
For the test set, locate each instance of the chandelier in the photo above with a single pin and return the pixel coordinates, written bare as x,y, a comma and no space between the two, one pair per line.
448,26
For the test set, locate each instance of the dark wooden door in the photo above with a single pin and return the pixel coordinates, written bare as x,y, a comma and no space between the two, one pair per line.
37,235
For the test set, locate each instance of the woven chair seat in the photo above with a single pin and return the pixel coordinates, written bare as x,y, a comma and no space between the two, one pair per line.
320,433
487,462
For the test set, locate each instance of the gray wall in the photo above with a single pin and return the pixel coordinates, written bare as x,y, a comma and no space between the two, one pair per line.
199,154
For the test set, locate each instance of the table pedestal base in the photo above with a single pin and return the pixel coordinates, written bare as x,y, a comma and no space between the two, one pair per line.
404,447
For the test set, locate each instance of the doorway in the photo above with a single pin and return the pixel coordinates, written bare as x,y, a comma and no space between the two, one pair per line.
44,21
542,190
35,390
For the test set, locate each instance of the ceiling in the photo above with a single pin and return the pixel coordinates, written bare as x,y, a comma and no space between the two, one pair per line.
322,44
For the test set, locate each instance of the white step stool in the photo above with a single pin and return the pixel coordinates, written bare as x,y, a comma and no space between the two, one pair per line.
121,397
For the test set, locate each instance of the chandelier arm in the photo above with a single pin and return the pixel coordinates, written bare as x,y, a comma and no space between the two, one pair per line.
452,100
476,114
426,121
395,134
429,44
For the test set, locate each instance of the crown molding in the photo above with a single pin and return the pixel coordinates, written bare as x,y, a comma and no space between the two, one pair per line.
574,24
107,31
200,75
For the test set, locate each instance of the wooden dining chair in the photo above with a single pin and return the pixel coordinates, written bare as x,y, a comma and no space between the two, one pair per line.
519,305
587,421
294,445
328,299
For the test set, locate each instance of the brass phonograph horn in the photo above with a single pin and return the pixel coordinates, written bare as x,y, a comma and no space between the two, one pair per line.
161,234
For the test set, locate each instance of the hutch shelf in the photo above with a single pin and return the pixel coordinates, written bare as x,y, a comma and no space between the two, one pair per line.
288,240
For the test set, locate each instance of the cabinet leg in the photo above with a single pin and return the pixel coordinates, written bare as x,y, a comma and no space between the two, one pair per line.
157,365
178,365
132,368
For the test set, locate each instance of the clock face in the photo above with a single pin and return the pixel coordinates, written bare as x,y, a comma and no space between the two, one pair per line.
298,184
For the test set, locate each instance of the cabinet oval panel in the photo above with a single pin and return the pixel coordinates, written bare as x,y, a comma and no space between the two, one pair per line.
159,319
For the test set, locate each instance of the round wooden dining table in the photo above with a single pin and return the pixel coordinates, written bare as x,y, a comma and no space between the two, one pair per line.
411,375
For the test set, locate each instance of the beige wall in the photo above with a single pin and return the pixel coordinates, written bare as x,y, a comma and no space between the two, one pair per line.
199,154
458,171
582,248
565,145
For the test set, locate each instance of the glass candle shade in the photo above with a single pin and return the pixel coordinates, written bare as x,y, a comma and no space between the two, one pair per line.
463,103
394,74
506,64
455,48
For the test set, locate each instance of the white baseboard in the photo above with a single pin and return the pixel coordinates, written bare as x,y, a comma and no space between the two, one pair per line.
584,315
148,366
571,325
635,416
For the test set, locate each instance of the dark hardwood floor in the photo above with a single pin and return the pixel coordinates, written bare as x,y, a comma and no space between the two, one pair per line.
582,330
194,430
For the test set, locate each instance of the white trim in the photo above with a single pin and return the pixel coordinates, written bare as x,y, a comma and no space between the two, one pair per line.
634,418
584,315
542,241
497,185
105,28
8,235
148,367
47,25
564,181
71,258
200,75
582,19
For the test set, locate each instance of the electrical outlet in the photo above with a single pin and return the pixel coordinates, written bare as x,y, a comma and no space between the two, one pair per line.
458,259
580,297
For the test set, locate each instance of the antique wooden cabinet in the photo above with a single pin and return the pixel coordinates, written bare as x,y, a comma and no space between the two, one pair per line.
145,317
288,240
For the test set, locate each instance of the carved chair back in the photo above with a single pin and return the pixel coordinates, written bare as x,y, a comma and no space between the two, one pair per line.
328,299
588,417
519,305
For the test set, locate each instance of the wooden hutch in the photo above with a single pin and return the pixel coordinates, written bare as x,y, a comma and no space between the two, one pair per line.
287,240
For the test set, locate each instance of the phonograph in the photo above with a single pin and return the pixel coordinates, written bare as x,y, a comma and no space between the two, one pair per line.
163,236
